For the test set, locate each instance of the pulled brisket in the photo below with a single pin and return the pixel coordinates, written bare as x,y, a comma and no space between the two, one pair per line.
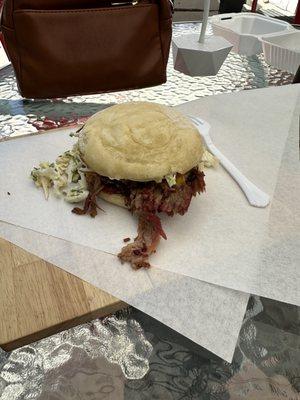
146,242
145,199
95,186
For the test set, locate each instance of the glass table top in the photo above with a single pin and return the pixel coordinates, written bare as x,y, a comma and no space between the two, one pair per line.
130,355
19,116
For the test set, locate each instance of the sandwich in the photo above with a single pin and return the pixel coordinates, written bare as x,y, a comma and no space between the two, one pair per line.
141,156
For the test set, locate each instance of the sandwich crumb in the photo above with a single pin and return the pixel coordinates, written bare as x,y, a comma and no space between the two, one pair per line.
126,240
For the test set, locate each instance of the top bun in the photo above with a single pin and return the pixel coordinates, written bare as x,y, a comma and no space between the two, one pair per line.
140,141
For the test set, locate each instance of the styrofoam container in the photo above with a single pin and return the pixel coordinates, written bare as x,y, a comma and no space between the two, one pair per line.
4,61
243,30
282,50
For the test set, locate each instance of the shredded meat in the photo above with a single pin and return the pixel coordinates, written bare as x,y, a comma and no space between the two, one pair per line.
149,232
159,197
145,199
94,186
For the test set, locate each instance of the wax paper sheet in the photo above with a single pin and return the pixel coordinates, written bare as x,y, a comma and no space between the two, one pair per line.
209,315
222,239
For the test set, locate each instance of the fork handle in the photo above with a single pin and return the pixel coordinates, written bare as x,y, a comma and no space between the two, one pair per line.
255,196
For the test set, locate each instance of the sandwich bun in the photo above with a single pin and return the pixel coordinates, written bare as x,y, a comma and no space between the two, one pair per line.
116,199
140,141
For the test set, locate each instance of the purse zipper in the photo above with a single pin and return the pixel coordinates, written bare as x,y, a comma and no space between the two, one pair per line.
125,3
134,3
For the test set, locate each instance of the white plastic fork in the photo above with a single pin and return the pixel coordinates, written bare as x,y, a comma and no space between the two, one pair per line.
255,196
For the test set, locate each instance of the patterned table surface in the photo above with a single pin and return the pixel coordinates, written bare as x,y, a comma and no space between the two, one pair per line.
131,356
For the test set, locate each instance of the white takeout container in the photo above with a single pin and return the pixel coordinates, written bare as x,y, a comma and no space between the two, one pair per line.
244,30
282,50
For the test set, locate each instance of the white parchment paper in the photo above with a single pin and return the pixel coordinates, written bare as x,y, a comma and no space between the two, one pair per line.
207,314
222,239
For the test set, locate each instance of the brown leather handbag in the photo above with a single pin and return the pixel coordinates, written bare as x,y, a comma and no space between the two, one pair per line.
60,48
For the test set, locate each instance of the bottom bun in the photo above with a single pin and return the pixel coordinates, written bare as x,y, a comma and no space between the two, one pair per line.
116,199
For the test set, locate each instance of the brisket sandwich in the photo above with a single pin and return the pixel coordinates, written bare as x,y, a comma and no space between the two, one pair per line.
144,157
